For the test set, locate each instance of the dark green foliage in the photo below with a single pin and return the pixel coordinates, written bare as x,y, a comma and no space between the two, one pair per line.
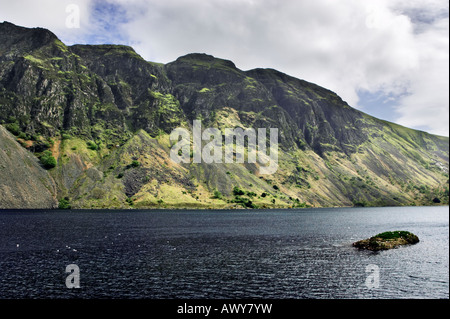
64,203
237,191
423,189
23,136
50,142
135,164
92,146
436,200
47,160
394,234
245,202
13,128
129,201
299,204
217,194
12,119
360,203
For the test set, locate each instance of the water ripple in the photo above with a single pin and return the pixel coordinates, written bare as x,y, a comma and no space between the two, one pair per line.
264,254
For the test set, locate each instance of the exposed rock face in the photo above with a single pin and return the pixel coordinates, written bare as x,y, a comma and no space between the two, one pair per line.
98,108
23,182
387,240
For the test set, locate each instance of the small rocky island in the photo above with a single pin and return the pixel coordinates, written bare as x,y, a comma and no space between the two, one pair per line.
387,240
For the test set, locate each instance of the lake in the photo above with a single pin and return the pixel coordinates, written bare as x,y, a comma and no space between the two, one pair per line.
232,254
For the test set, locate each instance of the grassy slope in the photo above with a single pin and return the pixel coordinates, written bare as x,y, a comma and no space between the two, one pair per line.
372,176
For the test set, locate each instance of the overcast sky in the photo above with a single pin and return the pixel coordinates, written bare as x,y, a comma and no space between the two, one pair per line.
388,58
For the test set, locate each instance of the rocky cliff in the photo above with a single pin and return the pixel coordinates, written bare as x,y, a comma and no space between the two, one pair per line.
105,114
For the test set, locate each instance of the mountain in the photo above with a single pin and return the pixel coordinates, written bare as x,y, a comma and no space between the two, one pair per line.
98,120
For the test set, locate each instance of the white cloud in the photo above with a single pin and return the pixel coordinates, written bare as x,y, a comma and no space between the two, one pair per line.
427,105
388,46
49,14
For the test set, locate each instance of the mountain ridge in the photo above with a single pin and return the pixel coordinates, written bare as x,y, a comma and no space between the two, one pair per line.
100,108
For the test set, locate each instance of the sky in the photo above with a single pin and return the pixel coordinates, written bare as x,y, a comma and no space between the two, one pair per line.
388,58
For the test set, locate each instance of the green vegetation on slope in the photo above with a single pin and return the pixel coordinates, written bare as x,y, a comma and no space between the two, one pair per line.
99,119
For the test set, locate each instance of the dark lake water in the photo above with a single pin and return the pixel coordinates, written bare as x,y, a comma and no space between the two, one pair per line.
223,254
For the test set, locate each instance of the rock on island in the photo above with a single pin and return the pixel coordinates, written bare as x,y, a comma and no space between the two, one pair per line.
387,240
